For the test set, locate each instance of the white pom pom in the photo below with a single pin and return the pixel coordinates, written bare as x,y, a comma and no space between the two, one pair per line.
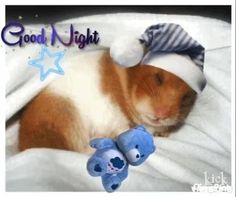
126,51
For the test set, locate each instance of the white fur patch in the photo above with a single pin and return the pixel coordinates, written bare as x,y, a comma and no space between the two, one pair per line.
82,84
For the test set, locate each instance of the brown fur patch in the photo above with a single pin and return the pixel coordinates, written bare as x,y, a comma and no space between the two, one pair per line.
51,121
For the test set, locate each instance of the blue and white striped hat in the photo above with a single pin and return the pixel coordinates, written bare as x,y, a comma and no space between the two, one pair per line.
169,47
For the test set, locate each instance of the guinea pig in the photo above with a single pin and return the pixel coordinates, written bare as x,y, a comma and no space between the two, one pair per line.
97,98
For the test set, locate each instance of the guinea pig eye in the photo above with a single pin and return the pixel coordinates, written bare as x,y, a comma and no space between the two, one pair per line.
158,78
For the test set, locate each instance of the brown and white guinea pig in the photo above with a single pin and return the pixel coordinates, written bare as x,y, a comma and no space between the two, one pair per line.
96,98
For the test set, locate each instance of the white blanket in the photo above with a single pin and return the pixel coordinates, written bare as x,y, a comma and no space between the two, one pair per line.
203,144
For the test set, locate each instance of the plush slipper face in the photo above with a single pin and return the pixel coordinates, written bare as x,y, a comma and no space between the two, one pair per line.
137,144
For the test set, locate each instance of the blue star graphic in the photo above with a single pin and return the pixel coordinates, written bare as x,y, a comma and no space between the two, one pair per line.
38,62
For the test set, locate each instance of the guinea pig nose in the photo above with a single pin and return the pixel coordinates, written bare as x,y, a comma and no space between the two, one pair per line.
137,156
162,112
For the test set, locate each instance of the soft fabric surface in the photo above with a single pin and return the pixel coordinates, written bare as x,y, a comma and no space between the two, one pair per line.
203,144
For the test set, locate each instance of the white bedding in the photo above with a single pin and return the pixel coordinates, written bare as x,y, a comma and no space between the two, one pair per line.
203,144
